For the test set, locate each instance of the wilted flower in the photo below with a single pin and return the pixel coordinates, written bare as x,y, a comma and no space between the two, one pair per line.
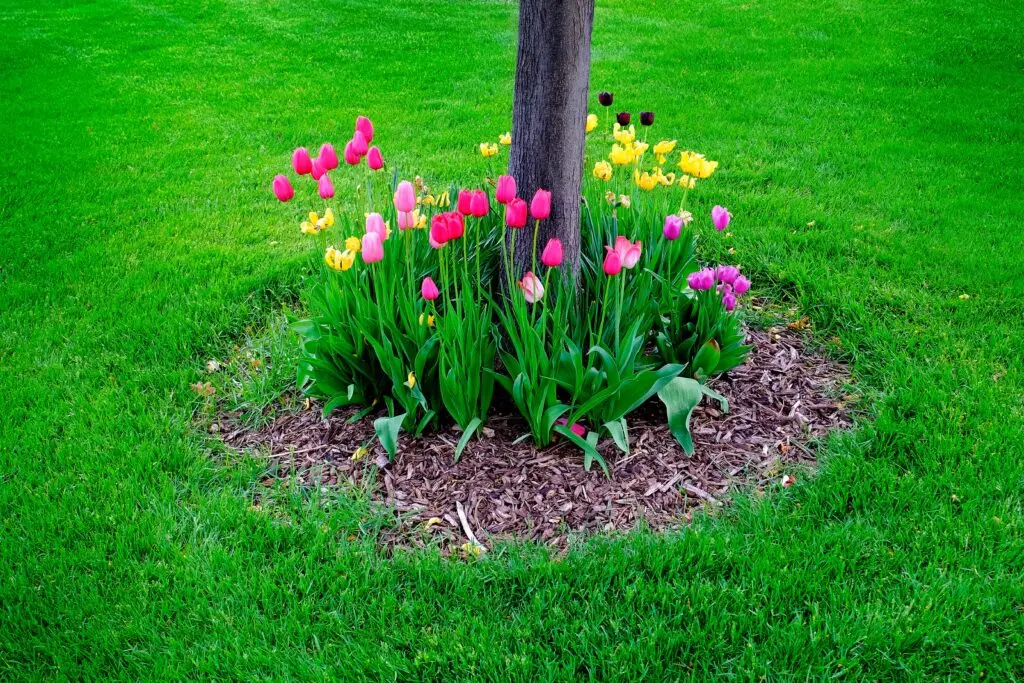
603,171
339,260
374,159
696,165
664,180
328,157
647,118
639,147
283,188
576,428
623,118
701,280
515,213
301,161
373,248
552,254
429,289
505,138
720,216
405,196
625,201
364,126
328,219
673,227
591,122
428,319
540,206
488,149
605,98
506,189
533,289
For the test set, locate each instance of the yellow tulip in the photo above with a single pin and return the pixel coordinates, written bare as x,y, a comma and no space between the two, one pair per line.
328,218
603,171
410,381
488,149
429,319
696,165
505,138
624,135
428,200
333,258
353,244
308,228
591,122
687,182
621,156
360,453
663,179
664,147
639,148
645,180
444,199
348,259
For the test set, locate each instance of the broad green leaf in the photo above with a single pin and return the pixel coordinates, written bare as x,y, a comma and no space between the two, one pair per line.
619,433
681,396
387,429
467,434
590,453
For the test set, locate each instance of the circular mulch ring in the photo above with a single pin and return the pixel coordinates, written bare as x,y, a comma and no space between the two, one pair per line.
778,401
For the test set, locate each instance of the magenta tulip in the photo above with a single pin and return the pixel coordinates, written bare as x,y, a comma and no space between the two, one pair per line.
515,213
720,216
540,207
373,248
741,285
317,169
364,126
374,160
301,161
439,229
701,280
456,225
727,274
325,187
552,254
359,144
506,190
729,301
283,188
405,196
328,157
612,262
465,202
429,289
375,223
479,205
673,227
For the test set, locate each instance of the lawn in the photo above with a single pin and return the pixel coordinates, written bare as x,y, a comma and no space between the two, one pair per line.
872,154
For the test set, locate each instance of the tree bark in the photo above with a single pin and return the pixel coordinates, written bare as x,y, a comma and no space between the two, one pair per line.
549,116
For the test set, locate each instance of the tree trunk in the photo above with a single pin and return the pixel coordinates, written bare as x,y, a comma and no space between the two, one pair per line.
549,116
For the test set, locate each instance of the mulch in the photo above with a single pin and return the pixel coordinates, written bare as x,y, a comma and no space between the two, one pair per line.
780,401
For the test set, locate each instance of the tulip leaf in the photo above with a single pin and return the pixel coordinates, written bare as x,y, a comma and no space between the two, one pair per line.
387,429
590,453
466,436
681,396
619,433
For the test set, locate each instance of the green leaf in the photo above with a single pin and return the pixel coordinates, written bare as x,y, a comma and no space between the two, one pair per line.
619,433
590,453
466,436
387,429
723,402
680,397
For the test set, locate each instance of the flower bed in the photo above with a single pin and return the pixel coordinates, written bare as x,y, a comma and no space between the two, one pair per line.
420,312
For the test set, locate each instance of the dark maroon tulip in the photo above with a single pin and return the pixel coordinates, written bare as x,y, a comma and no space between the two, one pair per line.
605,98
623,118
647,118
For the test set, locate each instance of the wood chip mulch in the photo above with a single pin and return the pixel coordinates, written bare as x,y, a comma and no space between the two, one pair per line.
782,399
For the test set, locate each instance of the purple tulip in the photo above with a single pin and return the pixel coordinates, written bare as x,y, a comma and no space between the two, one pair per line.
720,216
729,301
673,227
701,280
741,285
727,274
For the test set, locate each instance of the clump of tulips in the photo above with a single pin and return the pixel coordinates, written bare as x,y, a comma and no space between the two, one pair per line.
421,307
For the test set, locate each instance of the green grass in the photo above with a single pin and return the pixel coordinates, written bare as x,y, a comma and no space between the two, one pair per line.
138,237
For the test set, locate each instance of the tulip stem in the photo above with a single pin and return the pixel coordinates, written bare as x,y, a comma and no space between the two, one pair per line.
479,283
618,311
536,229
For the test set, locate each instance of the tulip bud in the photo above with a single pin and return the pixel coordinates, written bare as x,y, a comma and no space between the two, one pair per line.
373,248
405,196
506,190
479,204
328,157
301,161
540,207
374,160
465,202
359,144
673,227
283,188
612,263
364,126
429,289
623,118
720,216
552,254
605,98
325,187
317,169
729,301
456,226
647,118
515,213
533,288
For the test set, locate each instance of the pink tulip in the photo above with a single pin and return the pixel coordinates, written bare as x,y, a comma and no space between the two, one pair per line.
506,190
515,213
283,188
375,223
729,301
301,161
612,262
465,202
434,244
373,248
533,289
325,187
552,254
720,216
479,205
628,252
405,220
359,144
374,160
576,428
727,274
741,285
439,229
540,207
351,157
429,289
405,196
317,169
328,157
673,227
701,280
456,225
364,126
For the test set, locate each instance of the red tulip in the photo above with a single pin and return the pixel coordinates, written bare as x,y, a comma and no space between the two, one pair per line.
301,161
515,213
351,157
360,144
364,126
552,254
439,229
374,160
540,207
612,264
283,188
465,202
479,205
429,289
506,190
325,187
328,157
317,169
